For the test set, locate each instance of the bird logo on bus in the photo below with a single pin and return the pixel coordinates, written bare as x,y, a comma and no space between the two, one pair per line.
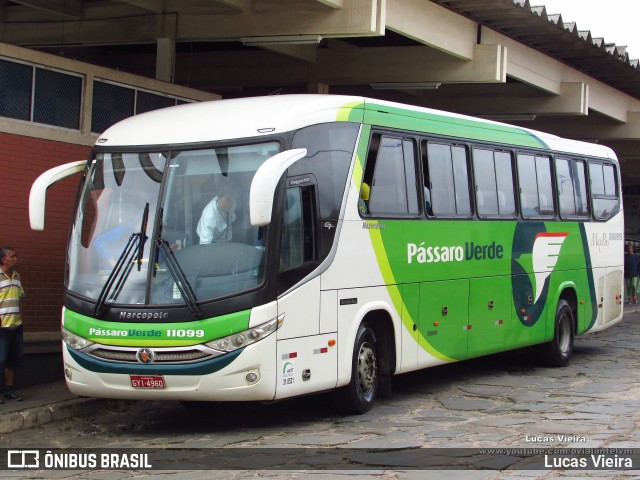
534,250
546,250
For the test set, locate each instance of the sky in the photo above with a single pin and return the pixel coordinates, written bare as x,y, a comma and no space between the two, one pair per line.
617,21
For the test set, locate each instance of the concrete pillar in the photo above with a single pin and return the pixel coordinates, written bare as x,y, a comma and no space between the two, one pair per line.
165,59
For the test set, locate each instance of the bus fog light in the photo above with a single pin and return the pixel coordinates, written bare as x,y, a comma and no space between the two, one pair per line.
67,373
251,377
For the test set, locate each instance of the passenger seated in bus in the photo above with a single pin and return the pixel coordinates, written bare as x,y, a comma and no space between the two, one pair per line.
112,235
216,219
111,243
427,201
363,201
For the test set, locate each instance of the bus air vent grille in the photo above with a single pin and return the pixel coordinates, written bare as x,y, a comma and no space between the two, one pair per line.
163,356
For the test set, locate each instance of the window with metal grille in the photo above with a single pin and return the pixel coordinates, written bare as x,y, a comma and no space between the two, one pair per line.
15,90
40,95
113,102
146,102
51,97
57,99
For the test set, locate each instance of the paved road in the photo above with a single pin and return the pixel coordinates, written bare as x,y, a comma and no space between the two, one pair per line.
501,401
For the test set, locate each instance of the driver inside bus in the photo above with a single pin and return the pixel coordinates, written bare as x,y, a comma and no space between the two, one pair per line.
216,219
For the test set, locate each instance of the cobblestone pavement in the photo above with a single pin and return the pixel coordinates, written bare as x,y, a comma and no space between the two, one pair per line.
505,400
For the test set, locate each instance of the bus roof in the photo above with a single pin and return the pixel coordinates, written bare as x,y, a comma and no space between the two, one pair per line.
254,116
226,119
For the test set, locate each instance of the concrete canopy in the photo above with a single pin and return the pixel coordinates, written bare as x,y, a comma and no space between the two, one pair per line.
502,59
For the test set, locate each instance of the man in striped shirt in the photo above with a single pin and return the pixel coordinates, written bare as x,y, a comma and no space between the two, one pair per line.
10,320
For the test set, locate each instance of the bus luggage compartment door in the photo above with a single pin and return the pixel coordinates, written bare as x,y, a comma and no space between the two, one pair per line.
444,315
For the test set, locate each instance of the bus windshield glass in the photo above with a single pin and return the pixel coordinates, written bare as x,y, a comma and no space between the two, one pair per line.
187,240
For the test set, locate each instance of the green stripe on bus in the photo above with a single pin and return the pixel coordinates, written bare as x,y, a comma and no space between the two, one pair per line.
433,123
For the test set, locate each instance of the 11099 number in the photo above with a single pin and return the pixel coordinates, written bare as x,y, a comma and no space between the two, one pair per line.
179,333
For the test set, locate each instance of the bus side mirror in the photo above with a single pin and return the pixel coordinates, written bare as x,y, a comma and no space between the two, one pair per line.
263,185
38,195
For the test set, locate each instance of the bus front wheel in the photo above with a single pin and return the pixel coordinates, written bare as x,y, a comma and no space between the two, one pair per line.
558,351
358,396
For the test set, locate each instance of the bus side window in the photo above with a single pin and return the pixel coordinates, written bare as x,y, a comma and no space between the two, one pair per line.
603,190
391,177
494,177
485,180
446,177
572,188
367,176
441,180
529,206
504,182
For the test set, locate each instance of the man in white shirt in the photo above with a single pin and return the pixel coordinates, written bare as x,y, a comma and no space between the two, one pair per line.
216,219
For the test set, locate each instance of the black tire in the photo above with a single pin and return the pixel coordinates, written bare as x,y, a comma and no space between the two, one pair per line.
558,351
359,395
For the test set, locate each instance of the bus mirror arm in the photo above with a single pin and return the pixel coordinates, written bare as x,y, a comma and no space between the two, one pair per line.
37,197
263,185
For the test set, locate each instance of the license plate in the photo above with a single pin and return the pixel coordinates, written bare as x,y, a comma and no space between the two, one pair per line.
147,381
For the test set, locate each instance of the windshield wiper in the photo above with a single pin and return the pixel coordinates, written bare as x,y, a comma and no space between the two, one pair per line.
120,271
132,250
179,277
143,229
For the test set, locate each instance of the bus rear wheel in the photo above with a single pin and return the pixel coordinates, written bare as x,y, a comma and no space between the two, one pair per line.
558,351
359,395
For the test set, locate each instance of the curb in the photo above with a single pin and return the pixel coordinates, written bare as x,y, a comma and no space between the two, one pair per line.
35,416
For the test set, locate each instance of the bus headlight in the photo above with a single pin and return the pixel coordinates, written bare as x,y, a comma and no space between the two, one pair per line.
247,337
75,341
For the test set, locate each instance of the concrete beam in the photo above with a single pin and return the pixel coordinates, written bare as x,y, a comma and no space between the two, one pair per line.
409,64
611,102
590,131
626,131
348,66
356,18
253,68
572,100
90,32
333,3
308,53
240,5
547,74
69,9
528,65
155,6
433,25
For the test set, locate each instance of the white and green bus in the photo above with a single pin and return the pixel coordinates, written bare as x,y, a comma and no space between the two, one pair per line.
362,239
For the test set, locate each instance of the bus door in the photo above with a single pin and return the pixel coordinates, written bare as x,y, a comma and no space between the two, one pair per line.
305,361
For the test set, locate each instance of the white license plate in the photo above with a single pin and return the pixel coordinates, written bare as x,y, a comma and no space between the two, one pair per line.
147,381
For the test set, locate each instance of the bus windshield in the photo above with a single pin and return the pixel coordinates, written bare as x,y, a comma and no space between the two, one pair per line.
168,227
